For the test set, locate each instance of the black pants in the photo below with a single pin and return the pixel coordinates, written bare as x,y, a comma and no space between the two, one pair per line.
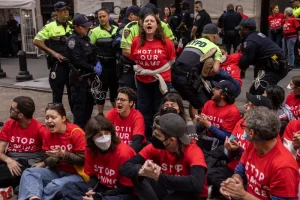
83,102
215,176
231,41
271,78
57,85
109,80
6,178
13,44
148,188
127,79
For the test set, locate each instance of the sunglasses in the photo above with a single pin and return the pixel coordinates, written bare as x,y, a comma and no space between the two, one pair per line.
13,110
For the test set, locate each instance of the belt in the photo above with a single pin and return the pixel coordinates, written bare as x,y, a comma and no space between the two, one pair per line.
180,72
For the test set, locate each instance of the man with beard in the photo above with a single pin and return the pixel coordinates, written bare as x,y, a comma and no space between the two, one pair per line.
23,136
219,116
129,122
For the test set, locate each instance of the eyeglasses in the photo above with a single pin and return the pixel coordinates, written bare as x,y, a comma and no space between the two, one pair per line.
120,99
55,105
13,110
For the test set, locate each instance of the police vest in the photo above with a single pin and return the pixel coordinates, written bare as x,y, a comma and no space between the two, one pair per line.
57,35
103,40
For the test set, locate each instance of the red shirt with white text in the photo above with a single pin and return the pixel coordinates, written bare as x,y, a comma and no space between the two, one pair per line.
231,65
129,126
153,55
20,139
290,27
294,104
223,117
193,156
73,140
275,173
106,166
276,21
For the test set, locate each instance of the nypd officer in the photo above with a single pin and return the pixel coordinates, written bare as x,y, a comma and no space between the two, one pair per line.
56,33
103,36
188,69
130,31
267,57
202,18
82,56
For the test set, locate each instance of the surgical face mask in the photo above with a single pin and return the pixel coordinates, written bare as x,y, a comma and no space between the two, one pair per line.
158,144
247,137
103,142
224,58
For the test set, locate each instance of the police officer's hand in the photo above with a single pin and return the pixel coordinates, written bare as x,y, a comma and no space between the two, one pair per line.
58,57
98,68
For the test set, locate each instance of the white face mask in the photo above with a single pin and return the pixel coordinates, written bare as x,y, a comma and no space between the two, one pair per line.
103,142
224,58
289,87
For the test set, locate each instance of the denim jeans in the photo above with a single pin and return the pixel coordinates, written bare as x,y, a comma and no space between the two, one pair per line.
75,191
44,182
277,38
289,44
149,99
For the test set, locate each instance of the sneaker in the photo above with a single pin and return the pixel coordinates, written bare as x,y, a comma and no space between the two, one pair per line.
9,191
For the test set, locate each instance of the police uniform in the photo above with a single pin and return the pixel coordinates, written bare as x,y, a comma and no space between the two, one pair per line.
56,33
265,55
103,39
13,30
228,21
201,20
82,56
130,31
174,21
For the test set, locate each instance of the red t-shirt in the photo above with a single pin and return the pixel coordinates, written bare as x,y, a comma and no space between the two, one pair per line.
275,173
106,166
290,27
28,139
193,156
244,16
73,140
276,21
231,65
153,55
294,104
223,118
127,127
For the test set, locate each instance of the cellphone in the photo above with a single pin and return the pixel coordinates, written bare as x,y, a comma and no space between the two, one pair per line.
233,139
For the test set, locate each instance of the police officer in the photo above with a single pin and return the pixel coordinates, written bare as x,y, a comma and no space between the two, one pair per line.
296,7
187,70
131,14
174,19
186,24
267,57
56,33
130,31
228,21
13,30
82,56
201,20
102,36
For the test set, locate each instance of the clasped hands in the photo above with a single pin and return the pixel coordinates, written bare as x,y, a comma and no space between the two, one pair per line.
203,121
150,170
233,188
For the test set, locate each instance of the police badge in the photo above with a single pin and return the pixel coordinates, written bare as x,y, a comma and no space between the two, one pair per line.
126,33
71,43
198,17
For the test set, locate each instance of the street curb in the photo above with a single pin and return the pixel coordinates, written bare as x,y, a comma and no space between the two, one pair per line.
28,88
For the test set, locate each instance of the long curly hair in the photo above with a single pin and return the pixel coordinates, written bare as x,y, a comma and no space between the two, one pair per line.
159,34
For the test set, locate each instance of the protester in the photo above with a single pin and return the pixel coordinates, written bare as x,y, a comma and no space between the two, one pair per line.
170,167
104,155
230,63
267,167
275,22
64,146
129,122
153,54
218,116
293,99
20,142
291,27
167,14
277,96
239,9
102,37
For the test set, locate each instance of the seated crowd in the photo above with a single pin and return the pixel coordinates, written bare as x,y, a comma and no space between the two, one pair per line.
220,154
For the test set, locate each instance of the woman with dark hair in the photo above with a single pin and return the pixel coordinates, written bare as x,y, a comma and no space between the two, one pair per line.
170,168
240,10
167,14
104,155
275,22
64,146
153,54
293,99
